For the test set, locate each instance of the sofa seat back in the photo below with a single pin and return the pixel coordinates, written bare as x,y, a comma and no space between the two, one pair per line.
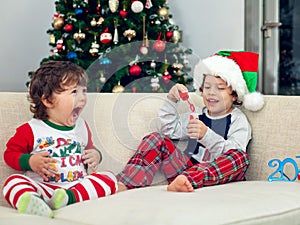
119,121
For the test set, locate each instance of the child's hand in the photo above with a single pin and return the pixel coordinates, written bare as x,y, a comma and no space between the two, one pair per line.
174,92
91,157
40,163
196,129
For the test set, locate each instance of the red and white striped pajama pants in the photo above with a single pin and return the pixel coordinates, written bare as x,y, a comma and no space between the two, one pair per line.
157,151
93,186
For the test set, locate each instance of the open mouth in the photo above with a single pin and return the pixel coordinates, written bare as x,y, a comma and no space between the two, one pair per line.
212,101
76,112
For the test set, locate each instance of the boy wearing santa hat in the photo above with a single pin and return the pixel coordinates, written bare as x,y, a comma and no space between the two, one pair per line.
217,139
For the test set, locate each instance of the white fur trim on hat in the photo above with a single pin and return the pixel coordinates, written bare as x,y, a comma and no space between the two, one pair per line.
253,101
230,72
225,68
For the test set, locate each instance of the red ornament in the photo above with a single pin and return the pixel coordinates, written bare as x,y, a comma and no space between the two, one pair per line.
98,9
135,70
167,77
123,13
105,37
68,27
159,45
169,35
60,45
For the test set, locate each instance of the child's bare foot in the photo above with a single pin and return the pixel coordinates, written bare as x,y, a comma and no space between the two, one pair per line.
180,184
121,187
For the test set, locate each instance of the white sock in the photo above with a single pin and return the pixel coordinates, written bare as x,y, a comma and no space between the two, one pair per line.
59,199
32,204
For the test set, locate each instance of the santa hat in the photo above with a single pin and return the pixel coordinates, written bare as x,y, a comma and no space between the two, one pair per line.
239,70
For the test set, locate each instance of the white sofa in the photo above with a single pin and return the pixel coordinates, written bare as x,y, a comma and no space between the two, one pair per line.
119,121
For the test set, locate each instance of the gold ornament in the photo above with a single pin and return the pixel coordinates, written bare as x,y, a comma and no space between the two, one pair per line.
100,21
163,12
52,39
129,34
79,36
58,23
94,48
113,5
118,88
177,65
176,36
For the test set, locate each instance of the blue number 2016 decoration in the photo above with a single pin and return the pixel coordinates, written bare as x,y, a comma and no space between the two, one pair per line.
280,167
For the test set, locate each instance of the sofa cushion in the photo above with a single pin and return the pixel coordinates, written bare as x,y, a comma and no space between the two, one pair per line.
251,202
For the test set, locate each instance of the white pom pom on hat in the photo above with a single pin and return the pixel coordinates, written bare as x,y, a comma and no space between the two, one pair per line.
239,70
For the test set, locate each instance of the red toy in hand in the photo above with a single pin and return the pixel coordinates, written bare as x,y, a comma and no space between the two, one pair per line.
185,97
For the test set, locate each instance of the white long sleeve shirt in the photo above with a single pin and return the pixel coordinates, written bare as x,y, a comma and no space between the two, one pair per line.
174,125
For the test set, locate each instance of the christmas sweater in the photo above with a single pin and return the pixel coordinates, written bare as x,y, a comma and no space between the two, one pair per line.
65,144
235,135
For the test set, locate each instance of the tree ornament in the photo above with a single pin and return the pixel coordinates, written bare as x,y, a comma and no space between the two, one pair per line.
58,21
93,22
176,36
163,12
177,65
94,47
116,35
144,47
78,12
155,83
68,27
52,39
159,45
105,37
123,13
72,55
104,61
157,22
144,50
137,6
60,45
148,4
153,64
129,34
79,36
113,5
118,88
135,70
98,8
169,35
177,68
102,78
167,77
100,21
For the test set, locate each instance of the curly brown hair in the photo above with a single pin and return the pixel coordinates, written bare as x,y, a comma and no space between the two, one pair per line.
50,78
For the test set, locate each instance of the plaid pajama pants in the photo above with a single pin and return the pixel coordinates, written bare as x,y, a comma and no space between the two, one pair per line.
93,186
158,152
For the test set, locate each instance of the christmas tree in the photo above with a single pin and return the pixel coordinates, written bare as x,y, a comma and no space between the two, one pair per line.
124,45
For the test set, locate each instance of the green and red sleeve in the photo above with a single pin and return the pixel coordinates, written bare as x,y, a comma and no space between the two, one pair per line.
19,147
